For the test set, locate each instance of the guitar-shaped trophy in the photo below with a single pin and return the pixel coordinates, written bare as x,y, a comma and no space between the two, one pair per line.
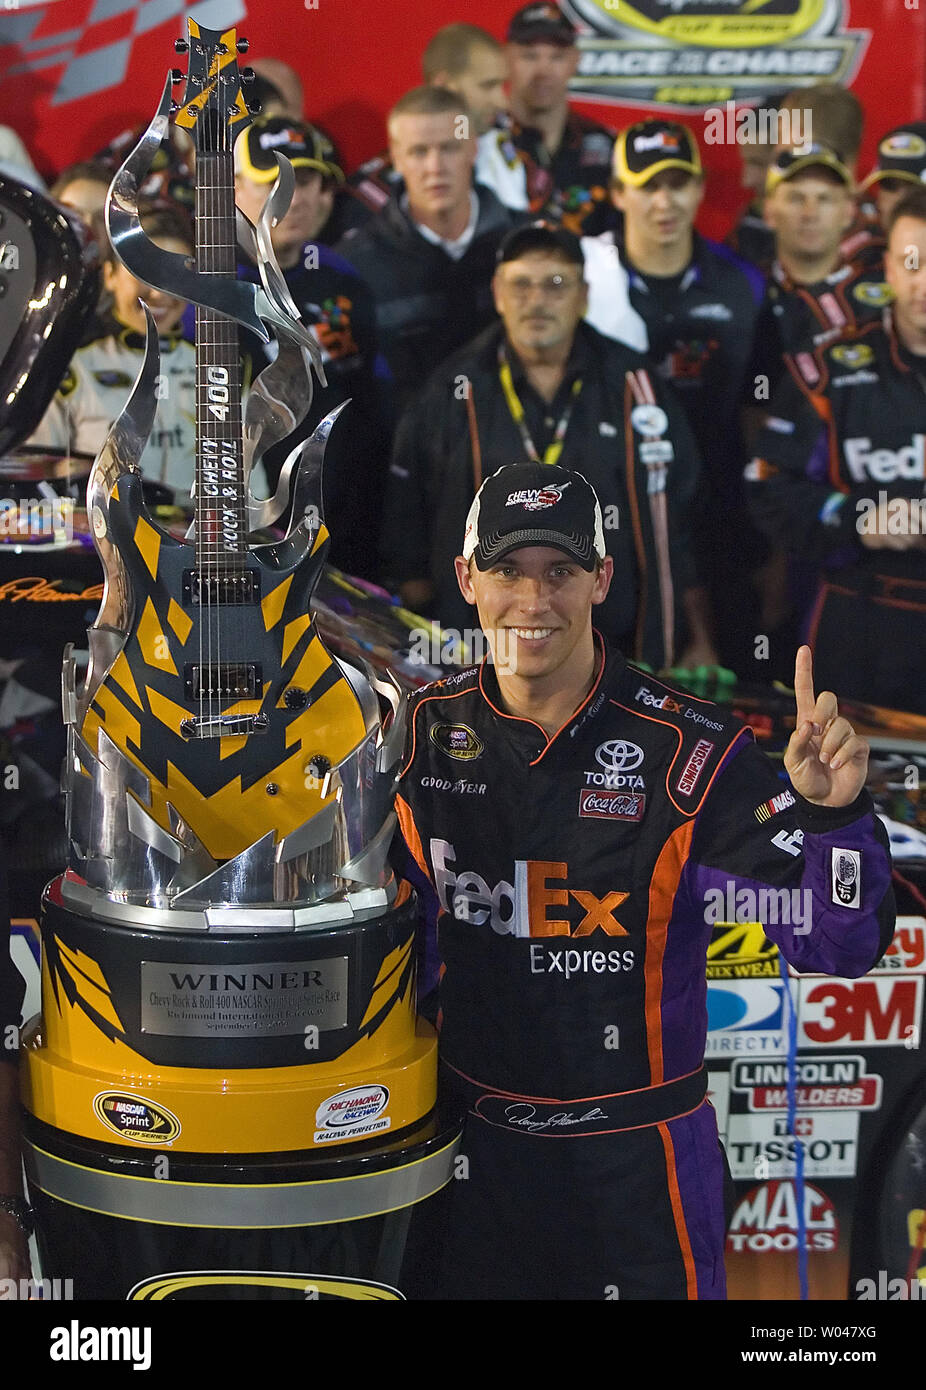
228,962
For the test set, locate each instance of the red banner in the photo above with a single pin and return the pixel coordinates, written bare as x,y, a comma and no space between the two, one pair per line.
76,72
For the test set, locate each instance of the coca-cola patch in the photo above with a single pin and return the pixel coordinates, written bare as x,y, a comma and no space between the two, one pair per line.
609,804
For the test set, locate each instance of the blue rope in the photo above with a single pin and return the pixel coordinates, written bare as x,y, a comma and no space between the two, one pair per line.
798,1142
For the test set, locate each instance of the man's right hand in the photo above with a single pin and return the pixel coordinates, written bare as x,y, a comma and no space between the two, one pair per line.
896,525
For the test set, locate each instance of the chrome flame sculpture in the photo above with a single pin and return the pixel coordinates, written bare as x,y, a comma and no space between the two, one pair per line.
126,862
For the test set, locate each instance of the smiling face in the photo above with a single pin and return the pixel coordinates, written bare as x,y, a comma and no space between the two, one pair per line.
126,291
541,298
535,607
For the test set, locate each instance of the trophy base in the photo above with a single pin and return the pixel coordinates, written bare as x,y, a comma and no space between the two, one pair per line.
288,1226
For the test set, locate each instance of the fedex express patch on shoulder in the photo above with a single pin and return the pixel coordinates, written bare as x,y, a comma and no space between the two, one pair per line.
597,803
846,873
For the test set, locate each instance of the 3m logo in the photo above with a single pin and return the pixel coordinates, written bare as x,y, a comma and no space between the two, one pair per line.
870,1013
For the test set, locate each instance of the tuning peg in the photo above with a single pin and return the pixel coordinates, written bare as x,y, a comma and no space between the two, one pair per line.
247,74
174,107
176,75
242,45
181,46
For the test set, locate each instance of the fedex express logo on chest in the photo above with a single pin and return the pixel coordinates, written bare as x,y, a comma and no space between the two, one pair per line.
534,904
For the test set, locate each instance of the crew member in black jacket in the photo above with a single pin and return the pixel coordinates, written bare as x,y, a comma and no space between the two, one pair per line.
543,384
840,478
429,255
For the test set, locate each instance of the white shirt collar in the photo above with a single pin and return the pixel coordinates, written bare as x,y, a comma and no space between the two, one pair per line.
455,249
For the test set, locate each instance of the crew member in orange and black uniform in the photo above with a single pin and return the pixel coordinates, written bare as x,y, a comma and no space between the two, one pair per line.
571,819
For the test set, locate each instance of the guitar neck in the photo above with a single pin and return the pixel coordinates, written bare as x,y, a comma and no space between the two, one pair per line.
221,498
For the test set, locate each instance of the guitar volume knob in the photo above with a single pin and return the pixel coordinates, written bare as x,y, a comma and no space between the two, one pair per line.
294,698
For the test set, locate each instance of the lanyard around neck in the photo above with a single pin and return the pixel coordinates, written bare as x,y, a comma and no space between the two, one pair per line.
555,448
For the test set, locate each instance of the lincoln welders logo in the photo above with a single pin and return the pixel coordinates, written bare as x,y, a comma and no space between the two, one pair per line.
95,51
694,53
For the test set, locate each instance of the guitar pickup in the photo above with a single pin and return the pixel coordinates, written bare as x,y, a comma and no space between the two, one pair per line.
224,726
221,589
223,681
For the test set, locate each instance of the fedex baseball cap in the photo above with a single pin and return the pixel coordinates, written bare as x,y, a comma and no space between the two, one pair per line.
645,149
901,155
541,22
787,163
304,145
534,504
540,236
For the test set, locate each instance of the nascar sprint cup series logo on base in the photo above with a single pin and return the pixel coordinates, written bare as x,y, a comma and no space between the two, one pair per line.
692,53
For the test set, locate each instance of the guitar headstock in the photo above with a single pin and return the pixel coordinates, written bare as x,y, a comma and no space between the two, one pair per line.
214,110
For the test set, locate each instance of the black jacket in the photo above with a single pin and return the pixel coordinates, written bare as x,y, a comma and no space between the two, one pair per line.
434,477
427,304
793,317
846,429
570,878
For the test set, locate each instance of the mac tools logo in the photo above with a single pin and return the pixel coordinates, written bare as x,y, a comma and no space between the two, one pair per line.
689,54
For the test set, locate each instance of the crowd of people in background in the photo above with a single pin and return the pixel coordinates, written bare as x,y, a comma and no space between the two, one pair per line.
511,280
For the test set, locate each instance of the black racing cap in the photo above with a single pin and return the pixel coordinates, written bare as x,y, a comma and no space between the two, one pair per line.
304,145
541,23
534,504
901,155
540,236
645,149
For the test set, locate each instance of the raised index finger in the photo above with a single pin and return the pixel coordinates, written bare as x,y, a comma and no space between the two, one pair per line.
803,685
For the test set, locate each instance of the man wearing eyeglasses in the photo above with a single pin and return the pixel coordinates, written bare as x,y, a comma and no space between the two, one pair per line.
544,385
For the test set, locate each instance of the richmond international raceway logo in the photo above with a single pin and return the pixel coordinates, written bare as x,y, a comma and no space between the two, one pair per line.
691,54
96,52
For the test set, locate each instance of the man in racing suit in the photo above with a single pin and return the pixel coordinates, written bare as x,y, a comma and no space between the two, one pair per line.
572,819
839,477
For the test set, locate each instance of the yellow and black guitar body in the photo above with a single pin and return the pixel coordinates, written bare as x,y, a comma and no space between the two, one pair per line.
223,697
